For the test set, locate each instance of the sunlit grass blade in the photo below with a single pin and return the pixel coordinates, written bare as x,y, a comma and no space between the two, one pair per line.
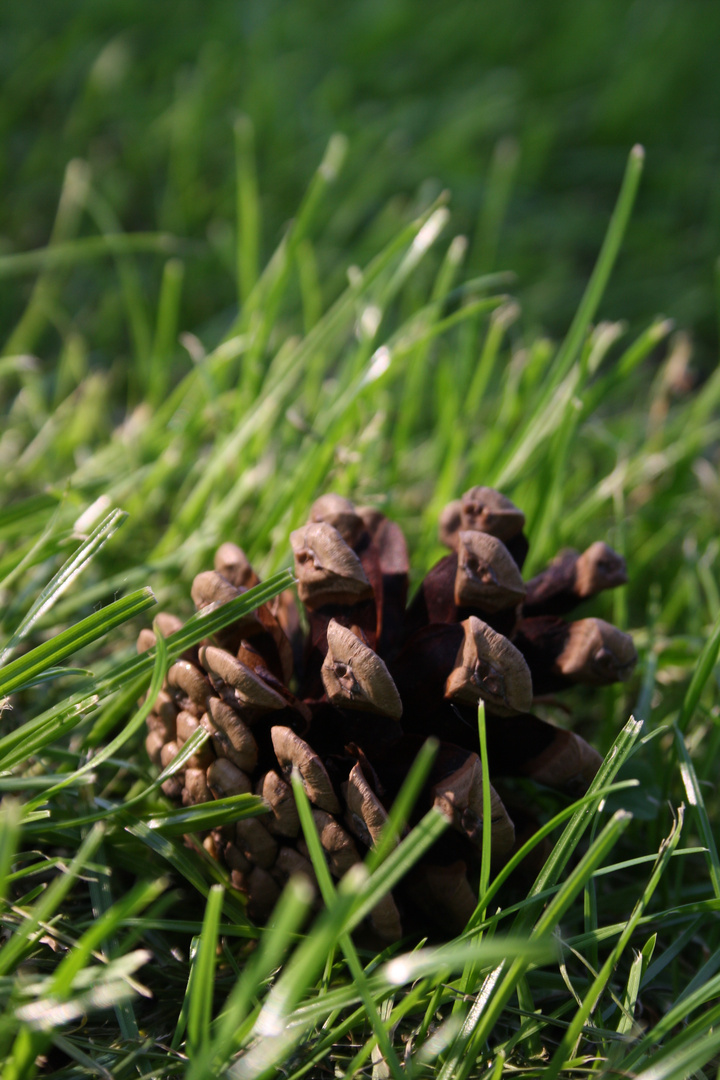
210,815
695,798
428,830
133,725
189,868
701,674
566,845
182,1018
624,366
97,988
470,972
136,900
501,984
521,445
9,838
271,1028
280,935
26,668
329,895
129,677
568,1042
178,763
202,977
632,989
408,967
603,267
164,342
248,208
486,850
30,738
403,804
537,837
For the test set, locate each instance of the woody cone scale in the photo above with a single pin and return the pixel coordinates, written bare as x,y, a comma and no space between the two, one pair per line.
349,702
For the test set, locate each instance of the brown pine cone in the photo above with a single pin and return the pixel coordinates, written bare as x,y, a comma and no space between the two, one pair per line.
350,702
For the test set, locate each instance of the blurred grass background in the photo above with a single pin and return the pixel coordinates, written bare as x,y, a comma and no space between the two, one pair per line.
527,107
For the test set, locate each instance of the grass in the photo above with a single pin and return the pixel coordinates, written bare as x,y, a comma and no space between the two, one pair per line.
127,953
526,114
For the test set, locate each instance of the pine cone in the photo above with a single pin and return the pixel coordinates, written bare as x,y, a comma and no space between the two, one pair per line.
350,702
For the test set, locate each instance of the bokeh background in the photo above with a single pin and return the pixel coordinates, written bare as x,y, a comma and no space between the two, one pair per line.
524,111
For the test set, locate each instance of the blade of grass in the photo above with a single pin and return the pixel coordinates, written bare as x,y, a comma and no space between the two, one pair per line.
647,1048
136,900
327,890
632,988
568,1044
403,804
101,899
49,902
275,1036
23,670
683,1056
248,208
72,253
703,671
281,933
201,625
696,800
428,830
166,332
204,816
498,989
189,868
35,735
517,451
580,814
469,977
203,977
566,845
133,725
9,838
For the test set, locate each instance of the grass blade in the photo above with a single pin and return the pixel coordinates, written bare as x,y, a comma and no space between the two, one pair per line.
568,1042
65,577
281,933
403,804
202,977
329,895
48,903
696,800
28,667
701,674
498,989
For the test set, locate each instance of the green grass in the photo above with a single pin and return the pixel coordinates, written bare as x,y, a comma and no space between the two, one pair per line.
524,113
127,953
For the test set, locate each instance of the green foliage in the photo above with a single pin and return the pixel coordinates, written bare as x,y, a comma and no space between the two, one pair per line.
525,112
126,950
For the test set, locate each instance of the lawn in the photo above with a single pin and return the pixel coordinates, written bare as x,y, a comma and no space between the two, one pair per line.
257,253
